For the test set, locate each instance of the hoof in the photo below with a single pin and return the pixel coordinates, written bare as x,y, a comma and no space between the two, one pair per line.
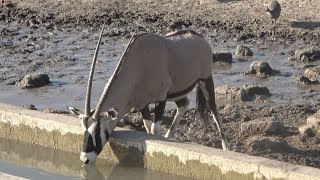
226,146
169,134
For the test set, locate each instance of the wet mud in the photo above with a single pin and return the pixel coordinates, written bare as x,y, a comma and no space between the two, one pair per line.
58,38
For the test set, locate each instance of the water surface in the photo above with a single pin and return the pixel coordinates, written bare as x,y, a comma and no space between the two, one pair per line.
37,162
65,55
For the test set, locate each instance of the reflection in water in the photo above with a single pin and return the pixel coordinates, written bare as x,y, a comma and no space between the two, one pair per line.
117,172
38,162
89,172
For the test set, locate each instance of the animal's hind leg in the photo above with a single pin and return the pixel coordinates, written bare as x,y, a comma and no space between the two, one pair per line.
207,87
182,105
146,115
158,114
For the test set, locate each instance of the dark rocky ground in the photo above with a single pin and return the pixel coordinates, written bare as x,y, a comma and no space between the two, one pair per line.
260,128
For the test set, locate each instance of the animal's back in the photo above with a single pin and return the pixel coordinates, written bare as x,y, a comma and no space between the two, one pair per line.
189,57
158,65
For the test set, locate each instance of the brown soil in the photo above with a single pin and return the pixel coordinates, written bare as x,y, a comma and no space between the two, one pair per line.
220,21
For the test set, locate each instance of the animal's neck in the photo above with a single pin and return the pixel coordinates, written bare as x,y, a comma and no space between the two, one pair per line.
119,91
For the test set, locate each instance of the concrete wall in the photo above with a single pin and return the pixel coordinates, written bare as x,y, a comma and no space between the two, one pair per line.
132,147
10,177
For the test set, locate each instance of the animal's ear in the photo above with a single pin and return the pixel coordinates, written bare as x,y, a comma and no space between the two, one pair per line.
113,113
75,111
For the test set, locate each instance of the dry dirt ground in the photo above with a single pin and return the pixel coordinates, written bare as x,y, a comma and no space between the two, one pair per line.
221,21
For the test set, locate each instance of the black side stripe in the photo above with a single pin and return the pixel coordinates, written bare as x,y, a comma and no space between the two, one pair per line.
185,91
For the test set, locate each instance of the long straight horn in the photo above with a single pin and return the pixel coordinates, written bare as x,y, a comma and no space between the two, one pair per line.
89,87
104,94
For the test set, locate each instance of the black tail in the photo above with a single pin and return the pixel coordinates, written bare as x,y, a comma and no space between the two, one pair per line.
201,103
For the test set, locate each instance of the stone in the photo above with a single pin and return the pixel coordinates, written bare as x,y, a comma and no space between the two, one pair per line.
243,51
259,144
29,106
56,111
313,73
264,125
34,80
248,93
317,136
307,130
306,54
222,57
231,93
314,120
252,90
304,80
261,68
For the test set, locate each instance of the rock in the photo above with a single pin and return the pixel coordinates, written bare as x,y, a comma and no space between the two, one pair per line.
248,93
264,125
243,51
29,106
307,130
222,57
231,93
34,80
258,144
261,68
252,90
306,54
310,76
56,111
317,136
256,92
312,127
313,73
314,120
304,80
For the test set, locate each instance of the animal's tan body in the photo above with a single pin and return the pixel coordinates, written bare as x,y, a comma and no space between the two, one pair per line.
154,67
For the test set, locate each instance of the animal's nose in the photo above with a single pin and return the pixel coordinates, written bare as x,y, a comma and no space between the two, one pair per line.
86,161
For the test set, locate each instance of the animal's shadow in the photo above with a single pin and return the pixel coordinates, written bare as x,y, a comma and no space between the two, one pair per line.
305,25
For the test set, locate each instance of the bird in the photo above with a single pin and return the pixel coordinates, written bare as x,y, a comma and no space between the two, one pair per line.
274,9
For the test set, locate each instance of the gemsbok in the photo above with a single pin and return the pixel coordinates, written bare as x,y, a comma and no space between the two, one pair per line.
152,69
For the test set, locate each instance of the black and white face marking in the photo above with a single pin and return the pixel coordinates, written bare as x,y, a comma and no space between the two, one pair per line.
95,133
94,138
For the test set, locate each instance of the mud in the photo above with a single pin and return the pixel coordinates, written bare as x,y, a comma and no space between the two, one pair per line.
58,37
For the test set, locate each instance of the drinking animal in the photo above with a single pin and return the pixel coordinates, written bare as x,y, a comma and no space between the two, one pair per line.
152,69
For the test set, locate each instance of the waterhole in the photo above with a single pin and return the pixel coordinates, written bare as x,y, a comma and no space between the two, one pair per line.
37,162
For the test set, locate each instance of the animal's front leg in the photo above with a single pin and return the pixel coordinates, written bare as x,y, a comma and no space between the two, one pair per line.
182,107
158,114
146,115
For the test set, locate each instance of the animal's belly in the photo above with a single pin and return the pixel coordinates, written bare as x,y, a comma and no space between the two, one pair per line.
181,92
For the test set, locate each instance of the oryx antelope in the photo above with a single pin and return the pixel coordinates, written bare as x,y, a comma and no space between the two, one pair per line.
152,69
